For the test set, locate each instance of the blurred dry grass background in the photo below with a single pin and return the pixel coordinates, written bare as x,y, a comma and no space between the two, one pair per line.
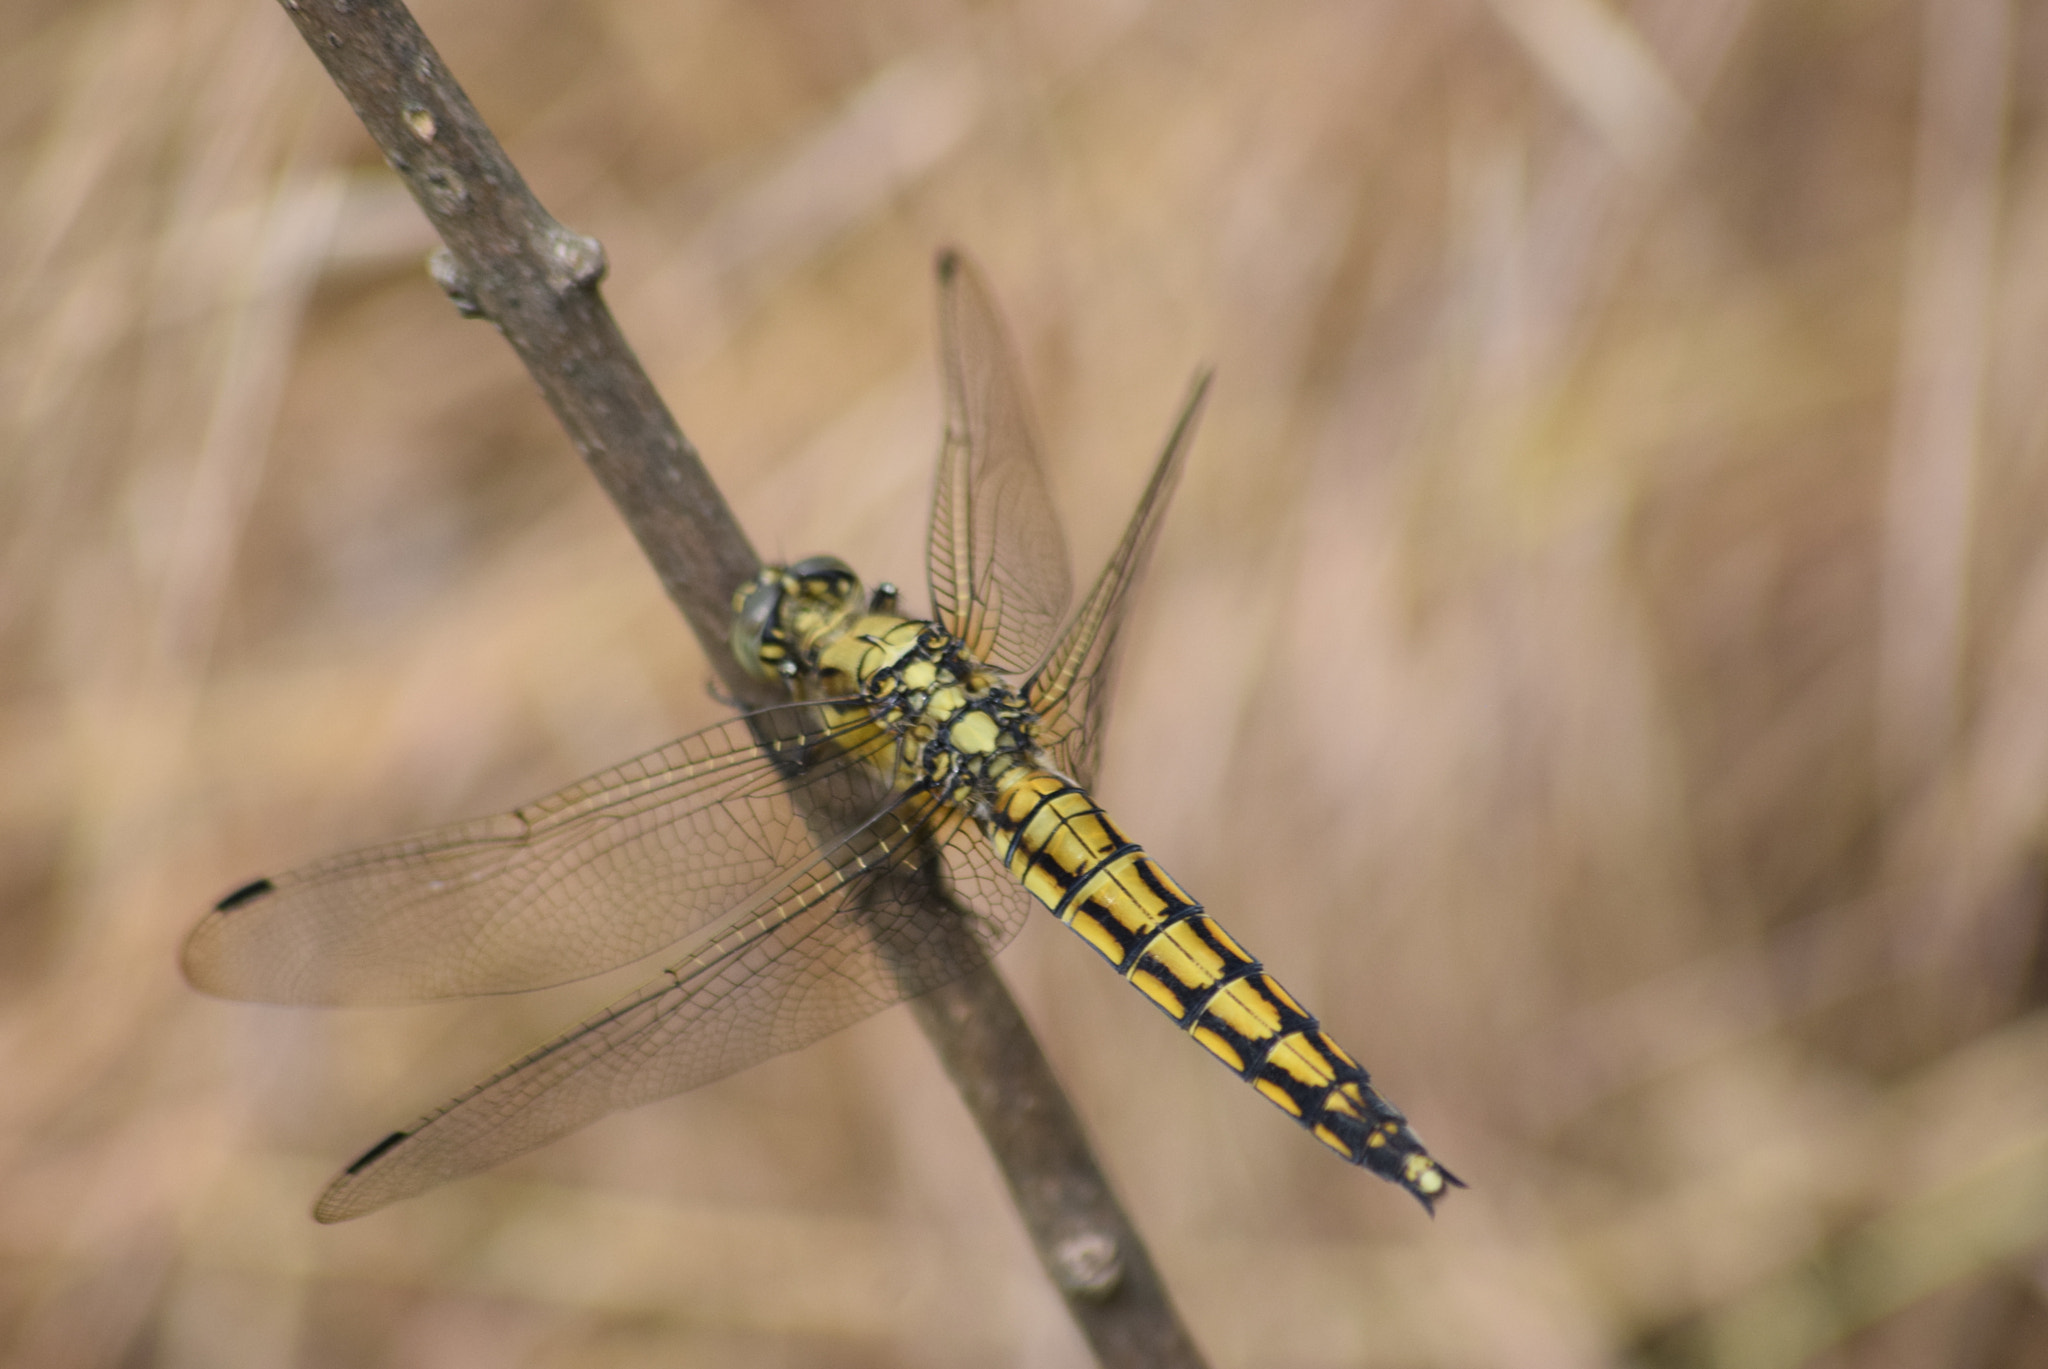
1599,658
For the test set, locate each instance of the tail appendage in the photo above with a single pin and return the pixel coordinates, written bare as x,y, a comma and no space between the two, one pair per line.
1071,857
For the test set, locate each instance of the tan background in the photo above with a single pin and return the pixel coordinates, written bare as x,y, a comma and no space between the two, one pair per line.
1599,658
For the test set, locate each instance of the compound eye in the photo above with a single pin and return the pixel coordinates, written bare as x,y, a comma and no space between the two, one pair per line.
820,568
837,579
756,609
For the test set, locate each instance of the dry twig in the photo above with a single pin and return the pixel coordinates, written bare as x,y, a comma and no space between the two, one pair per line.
507,260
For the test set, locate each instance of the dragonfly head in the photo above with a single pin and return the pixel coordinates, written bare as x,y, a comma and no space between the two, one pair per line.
779,615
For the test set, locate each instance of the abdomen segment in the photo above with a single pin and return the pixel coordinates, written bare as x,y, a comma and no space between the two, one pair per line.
1071,857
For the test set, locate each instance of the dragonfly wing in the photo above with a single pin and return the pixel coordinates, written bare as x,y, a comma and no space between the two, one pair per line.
1070,691
610,869
998,562
866,925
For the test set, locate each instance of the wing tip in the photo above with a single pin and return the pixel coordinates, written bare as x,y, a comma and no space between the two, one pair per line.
248,893
373,1154
1191,408
344,1200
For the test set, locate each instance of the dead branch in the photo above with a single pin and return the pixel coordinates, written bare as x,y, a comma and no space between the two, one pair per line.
507,260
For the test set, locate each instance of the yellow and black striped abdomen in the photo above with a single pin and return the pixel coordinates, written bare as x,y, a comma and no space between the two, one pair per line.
1073,859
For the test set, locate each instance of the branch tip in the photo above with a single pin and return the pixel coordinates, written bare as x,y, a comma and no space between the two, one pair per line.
447,272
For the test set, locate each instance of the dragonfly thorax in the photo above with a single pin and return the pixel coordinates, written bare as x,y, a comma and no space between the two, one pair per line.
955,724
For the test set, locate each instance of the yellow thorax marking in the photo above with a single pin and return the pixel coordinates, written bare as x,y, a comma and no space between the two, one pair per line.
972,732
861,646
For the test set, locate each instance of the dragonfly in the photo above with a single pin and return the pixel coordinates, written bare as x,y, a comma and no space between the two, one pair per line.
920,787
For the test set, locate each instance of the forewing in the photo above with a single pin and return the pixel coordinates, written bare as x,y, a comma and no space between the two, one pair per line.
870,922
1071,690
612,868
998,563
